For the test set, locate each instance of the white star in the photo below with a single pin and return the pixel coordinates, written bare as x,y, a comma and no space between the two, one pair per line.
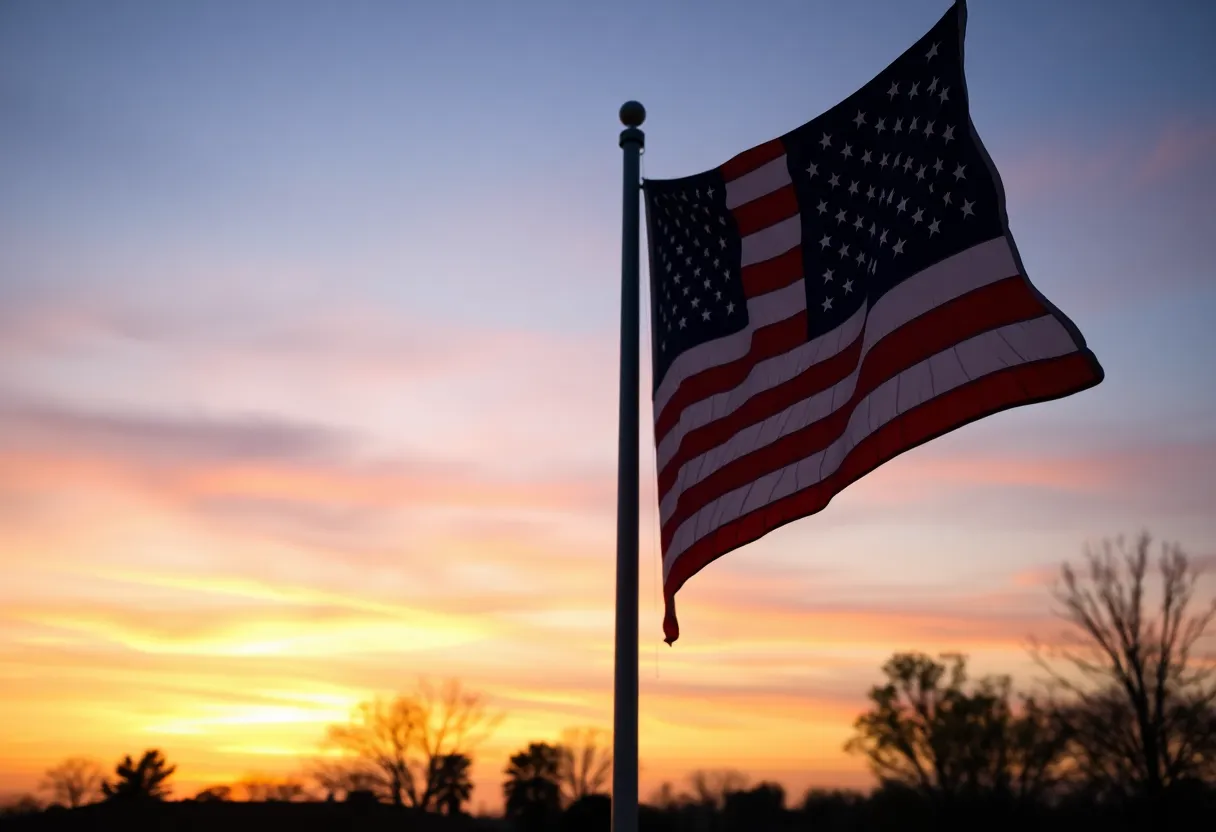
844,250
705,315
696,272
933,86
882,238
857,223
847,151
920,174
948,135
899,247
882,163
873,229
967,212
685,291
873,265
959,172
825,242
899,125
865,158
715,262
827,276
894,91
853,187
944,95
679,249
730,308
822,207
676,278
825,141
870,193
932,53
710,192
726,274
827,304
933,227
722,242
812,169
907,164
860,119
912,126
706,284
881,125
898,156
946,198
717,296
683,322
902,206
918,216
834,181
890,196
840,216
912,92
937,166
848,286
696,302
929,129
861,257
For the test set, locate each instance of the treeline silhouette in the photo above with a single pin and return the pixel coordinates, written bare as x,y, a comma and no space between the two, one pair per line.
1120,735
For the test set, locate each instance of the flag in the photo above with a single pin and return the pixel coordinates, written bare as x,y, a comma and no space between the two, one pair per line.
827,300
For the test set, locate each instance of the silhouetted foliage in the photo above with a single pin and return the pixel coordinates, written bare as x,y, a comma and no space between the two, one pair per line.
1142,711
586,763
762,807
403,740
262,788
710,788
26,804
590,813
74,782
145,780
453,788
532,790
929,730
338,780
214,794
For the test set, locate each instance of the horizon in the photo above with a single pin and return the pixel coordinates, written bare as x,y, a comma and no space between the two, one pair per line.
308,321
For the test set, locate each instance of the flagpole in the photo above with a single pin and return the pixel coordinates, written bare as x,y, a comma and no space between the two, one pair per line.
625,683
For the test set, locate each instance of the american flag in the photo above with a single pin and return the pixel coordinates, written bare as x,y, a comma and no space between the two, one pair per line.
830,299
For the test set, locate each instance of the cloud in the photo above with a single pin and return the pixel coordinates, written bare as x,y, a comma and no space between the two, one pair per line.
1180,145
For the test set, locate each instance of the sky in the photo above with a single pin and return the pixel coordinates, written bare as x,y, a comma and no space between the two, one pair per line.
308,369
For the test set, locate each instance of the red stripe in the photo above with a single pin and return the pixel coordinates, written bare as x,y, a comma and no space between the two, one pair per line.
769,209
749,160
767,342
902,349
773,274
1024,384
998,304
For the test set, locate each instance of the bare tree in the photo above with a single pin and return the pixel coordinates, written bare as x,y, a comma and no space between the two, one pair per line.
1143,698
585,762
74,782
405,739
337,779
258,788
710,788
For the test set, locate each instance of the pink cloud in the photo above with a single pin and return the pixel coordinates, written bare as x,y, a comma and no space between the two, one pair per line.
1180,145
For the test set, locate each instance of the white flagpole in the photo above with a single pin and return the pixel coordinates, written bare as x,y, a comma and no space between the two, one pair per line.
625,683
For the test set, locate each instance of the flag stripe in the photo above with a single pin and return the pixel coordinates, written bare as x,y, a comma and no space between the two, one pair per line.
820,442
749,160
765,179
859,366
776,273
964,272
1023,384
767,210
776,239
776,321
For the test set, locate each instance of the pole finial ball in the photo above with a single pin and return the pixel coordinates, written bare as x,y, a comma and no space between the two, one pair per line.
632,114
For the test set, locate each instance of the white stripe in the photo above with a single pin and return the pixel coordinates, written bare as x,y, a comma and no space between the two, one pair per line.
761,311
990,352
953,277
771,241
765,179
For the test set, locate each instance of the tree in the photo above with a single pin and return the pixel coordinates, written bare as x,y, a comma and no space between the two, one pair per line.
145,780
930,731
214,794
339,779
453,787
585,763
758,808
1143,710
404,739
710,788
74,782
533,787
259,788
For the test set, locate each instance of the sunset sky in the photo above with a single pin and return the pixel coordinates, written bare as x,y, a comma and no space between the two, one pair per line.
308,369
